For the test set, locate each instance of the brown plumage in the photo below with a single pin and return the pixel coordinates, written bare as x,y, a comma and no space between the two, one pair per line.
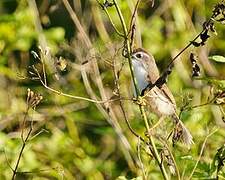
160,100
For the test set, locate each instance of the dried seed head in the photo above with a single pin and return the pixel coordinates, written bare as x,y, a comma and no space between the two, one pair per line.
177,134
195,44
219,13
33,99
193,58
169,161
220,98
107,4
204,37
61,64
196,71
195,66
209,25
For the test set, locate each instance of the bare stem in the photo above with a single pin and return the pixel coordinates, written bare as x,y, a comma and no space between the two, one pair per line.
24,141
110,19
72,96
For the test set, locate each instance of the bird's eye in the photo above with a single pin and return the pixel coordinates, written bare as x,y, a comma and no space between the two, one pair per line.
139,55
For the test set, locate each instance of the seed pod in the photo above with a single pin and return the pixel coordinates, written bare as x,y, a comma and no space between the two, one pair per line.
195,44
204,37
61,64
33,99
195,66
107,4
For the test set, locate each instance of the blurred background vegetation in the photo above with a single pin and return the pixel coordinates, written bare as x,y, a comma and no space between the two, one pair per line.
77,139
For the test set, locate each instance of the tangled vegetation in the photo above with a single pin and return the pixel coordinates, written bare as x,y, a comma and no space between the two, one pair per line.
67,109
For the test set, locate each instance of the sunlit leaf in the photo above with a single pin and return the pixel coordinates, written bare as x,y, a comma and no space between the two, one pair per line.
217,58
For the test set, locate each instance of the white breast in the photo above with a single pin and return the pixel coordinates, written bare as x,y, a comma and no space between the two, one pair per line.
141,75
156,99
160,104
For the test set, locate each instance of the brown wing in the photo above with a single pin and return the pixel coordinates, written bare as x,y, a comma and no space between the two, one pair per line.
168,93
153,72
153,75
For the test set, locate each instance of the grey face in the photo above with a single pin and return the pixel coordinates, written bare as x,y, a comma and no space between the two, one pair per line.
140,69
141,56
140,59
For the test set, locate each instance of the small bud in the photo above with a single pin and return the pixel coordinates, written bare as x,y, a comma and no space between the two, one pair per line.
61,64
107,4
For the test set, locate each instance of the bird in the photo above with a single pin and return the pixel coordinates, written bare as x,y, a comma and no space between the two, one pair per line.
160,100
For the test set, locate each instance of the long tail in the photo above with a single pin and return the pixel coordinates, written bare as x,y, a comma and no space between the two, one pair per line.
182,133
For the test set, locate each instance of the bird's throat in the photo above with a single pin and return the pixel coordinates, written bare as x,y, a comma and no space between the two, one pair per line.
140,74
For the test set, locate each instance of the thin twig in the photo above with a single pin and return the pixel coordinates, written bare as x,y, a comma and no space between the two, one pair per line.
134,15
185,48
201,152
38,171
139,157
33,99
132,27
7,161
110,19
21,152
23,124
159,81
72,96
38,133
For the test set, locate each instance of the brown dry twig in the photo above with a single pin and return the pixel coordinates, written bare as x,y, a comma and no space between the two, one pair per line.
33,99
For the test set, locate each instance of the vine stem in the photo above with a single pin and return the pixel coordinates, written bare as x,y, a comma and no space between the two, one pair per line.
142,110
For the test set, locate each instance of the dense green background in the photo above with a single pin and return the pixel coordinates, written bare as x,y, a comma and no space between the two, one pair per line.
73,139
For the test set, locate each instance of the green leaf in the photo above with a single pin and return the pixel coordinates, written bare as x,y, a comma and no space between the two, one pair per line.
217,58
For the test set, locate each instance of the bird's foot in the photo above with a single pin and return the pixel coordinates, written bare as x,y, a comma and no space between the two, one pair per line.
140,101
